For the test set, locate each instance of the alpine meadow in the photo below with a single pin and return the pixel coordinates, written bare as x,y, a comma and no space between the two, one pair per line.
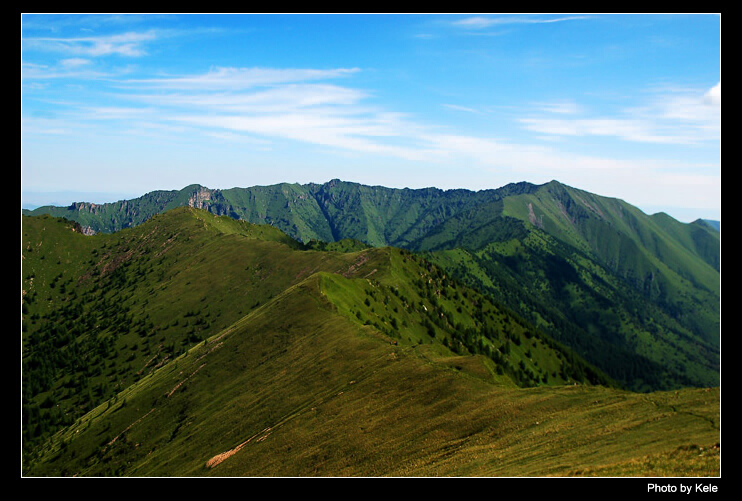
340,245
442,333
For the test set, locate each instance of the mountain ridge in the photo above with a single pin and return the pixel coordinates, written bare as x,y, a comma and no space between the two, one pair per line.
203,197
219,201
405,218
594,272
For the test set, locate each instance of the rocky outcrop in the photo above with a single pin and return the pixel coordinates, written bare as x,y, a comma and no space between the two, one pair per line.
200,198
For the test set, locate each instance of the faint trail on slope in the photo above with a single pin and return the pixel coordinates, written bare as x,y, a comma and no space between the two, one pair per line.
130,426
186,379
211,463
263,434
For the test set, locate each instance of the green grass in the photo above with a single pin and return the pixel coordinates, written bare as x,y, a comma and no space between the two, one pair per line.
294,389
101,312
644,344
195,338
686,461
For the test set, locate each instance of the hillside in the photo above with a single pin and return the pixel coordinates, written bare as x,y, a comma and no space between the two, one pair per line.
198,345
102,312
636,295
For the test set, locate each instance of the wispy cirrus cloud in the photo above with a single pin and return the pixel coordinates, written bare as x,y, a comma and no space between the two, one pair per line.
671,117
482,22
222,78
257,105
562,107
79,69
461,108
74,62
131,44
275,99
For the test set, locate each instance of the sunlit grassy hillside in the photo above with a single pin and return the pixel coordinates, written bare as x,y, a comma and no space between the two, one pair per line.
197,345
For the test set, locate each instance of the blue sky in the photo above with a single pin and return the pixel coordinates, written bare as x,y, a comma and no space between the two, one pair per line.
625,106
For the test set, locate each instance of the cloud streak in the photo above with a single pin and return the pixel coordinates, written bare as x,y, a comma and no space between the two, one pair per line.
222,78
126,44
481,22
674,118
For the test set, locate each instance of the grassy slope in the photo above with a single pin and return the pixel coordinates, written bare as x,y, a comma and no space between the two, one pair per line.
295,389
674,265
629,242
583,307
101,312
308,379
118,305
636,295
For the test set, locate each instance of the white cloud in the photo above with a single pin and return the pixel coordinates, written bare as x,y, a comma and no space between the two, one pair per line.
713,96
296,104
276,99
564,107
688,106
477,22
461,108
114,113
68,68
673,117
641,182
126,44
346,131
622,128
480,22
74,62
244,78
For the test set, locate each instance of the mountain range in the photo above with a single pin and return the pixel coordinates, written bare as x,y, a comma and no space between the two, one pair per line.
167,334
636,295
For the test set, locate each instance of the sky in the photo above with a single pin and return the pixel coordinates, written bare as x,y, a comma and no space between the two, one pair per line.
625,106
